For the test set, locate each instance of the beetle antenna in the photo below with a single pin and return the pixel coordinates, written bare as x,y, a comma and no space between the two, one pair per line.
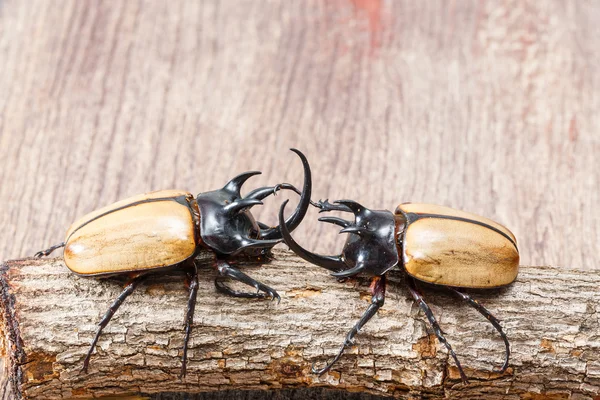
337,221
235,185
332,263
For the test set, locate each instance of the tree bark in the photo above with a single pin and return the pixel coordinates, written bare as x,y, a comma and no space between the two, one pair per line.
551,316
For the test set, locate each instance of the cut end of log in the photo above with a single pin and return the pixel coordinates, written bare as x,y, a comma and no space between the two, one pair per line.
49,317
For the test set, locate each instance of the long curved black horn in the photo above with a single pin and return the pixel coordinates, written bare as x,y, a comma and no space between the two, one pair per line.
332,263
235,185
349,272
294,220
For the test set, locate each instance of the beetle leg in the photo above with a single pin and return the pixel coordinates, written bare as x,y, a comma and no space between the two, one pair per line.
412,287
189,317
493,320
223,288
129,288
227,271
377,300
46,252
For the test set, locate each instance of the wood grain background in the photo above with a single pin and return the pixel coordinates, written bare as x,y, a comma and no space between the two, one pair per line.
491,107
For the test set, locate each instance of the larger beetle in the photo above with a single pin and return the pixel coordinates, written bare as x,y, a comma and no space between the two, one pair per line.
434,244
167,229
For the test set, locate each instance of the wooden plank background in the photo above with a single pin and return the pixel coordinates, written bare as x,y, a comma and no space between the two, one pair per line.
491,107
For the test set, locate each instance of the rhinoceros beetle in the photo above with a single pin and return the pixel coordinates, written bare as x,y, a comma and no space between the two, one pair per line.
165,230
433,244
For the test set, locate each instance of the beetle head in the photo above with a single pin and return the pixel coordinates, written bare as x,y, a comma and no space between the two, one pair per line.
370,246
228,227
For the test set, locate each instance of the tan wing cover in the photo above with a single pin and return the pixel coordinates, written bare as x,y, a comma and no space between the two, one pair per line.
124,203
458,253
131,238
418,208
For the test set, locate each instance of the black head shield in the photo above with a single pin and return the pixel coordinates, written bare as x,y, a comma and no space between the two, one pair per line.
228,227
370,247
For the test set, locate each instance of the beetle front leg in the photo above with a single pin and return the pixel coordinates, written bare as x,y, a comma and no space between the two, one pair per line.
48,251
377,300
227,271
189,317
412,287
129,288
493,320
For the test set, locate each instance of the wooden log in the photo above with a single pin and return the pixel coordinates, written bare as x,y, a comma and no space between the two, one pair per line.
551,316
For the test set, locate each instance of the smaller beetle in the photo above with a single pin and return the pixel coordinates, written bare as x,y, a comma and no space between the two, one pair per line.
164,230
433,244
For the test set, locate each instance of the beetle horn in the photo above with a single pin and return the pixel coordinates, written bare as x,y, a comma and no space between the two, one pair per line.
332,263
337,221
250,243
239,205
235,185
353,205
350,272
294,220
357,230
263,192
326,206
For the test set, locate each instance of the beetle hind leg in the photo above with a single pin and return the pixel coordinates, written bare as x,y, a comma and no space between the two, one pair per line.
48,251
129,288
493,320
189,317
377,300
412,287
227,271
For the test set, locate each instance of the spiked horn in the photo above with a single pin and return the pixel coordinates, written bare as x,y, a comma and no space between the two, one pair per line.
332,263
337,221
357,230
353,205
240,205
235,184
349,272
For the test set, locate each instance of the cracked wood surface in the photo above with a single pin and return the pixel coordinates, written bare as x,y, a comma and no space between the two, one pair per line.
551,316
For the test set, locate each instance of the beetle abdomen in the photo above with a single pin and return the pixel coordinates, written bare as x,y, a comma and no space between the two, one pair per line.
450,247
143,232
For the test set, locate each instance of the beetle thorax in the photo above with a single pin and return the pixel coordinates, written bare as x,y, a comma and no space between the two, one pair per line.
225,228
371,244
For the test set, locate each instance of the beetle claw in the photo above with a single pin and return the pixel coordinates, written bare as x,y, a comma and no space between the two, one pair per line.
43,253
